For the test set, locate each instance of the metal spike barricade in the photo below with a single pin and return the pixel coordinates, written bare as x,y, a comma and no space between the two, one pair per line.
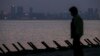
48,48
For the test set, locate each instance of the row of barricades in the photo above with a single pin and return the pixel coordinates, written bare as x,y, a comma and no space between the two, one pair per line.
36,50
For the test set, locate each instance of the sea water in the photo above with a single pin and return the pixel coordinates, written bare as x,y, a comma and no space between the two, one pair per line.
23,31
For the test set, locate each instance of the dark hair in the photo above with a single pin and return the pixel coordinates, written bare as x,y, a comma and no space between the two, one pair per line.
73,10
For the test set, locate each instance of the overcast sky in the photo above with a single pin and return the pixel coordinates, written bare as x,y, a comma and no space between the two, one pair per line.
50,5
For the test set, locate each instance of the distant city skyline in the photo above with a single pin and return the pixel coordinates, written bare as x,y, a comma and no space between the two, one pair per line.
17,13
49,5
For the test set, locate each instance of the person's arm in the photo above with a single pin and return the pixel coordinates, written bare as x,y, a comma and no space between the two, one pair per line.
78,26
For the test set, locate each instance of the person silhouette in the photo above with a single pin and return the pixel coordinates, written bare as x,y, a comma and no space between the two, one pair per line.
76,31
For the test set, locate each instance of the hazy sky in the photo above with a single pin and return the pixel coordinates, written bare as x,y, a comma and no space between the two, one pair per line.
50,5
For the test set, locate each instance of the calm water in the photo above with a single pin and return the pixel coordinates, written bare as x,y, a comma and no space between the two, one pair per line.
45,30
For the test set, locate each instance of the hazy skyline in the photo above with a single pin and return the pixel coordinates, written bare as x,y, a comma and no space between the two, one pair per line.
49,5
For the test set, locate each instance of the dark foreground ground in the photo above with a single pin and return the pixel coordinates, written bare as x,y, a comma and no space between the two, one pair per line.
90,51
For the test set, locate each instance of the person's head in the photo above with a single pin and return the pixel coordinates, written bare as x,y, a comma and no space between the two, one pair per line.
74,11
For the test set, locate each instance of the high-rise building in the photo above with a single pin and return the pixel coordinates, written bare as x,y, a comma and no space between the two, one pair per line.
30,12
13,12
20,11
90,13
96,13
2,15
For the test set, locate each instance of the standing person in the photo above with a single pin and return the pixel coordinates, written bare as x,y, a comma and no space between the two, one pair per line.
76,31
